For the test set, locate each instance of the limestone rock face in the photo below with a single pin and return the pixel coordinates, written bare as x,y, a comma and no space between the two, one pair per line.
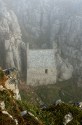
42,22
45,21
11,44
64,68
14,88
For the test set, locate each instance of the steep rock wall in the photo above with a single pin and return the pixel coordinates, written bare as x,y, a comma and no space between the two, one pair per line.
45,21
12,48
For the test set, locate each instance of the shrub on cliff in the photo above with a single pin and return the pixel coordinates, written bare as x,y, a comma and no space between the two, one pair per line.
55,114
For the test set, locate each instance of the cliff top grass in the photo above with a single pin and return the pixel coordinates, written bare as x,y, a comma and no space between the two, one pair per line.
14,108
10,109
55,114
51,115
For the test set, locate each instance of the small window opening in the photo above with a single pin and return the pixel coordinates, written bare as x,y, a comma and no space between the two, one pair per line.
46,71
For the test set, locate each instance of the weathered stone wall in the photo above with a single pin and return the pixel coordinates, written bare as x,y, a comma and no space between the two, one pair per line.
41,66
46,66
38,76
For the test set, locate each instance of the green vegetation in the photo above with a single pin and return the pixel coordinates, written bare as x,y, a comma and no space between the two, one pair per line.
67,91
14,108
29,95
54,115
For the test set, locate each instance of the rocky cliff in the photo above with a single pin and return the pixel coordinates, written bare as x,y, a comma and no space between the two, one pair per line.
12,48
45,21
12,108
14,111
41,23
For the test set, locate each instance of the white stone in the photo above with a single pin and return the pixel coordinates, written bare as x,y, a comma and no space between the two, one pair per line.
14,88
23,113
2,105
68,118
1,88
15,120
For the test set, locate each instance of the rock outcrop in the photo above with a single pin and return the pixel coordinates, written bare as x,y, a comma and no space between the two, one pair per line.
12,110
12,48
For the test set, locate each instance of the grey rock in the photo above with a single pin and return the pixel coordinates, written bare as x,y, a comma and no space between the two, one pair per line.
23,113
11,44
68,118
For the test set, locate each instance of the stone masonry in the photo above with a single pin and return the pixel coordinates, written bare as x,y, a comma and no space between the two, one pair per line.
41,66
